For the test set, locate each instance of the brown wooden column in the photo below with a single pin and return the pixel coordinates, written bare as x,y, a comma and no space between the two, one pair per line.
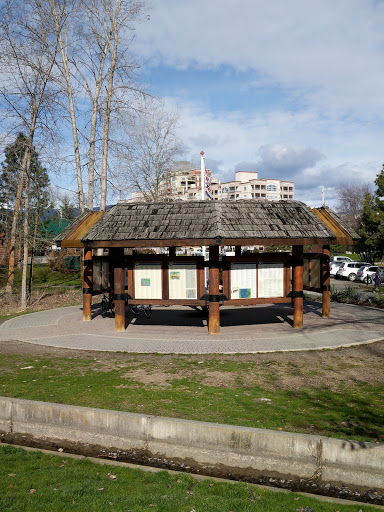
214,306
298,294
172,252
326,282
87,284
238,251
117,257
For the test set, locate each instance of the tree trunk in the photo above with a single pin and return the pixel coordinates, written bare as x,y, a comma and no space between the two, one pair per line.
23,299
107,116
64,58
19,193
33,252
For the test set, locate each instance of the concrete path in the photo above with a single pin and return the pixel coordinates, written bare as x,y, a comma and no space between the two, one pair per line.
174,329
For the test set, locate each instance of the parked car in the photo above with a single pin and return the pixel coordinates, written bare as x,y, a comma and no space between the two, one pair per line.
348,270
339,258
334,267
366,273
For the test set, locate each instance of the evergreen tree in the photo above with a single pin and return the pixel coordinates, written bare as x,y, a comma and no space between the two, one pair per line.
9,176
371,244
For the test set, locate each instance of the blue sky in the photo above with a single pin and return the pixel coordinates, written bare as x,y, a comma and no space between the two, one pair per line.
293,90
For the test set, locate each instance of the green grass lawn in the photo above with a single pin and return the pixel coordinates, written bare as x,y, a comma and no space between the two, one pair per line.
33,481
223,390
43,276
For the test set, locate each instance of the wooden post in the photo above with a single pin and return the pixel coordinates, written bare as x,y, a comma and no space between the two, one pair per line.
298,294
165,279
238,251
214,311
172,252
326,282
87,284
119,286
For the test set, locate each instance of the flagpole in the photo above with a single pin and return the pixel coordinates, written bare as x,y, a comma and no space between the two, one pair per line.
202,176
202,179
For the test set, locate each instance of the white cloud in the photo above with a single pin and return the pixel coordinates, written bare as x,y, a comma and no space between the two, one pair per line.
332,51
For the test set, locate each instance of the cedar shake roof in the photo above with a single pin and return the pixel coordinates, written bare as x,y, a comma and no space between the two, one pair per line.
208,220
345,235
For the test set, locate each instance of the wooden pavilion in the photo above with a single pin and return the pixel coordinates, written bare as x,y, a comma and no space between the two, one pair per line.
167,278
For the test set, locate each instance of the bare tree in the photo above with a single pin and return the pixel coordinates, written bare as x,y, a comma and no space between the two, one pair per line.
28,56
60,12
95,42
154,147
350,200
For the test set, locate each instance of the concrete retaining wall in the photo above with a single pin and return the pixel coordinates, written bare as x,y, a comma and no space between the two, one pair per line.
212,445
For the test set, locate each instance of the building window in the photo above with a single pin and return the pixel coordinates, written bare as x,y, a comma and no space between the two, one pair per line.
257,187
290,196
262,187
271,188
290,189
231,189
263,196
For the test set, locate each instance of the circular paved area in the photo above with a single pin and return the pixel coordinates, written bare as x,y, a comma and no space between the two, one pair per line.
174,329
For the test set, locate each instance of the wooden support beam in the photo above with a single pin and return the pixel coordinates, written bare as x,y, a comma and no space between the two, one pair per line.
165,279
298,292
237,251
87,284
214,306
117,258
326,282
172,252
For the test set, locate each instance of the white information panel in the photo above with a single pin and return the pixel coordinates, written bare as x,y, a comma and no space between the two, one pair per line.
182,281
271,280
148,281
243,280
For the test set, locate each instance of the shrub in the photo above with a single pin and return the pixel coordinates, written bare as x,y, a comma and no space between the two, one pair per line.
57,261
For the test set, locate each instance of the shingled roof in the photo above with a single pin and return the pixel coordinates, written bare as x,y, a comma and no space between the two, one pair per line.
198,220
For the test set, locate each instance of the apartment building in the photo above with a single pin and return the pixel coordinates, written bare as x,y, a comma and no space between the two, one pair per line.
248,185
184,183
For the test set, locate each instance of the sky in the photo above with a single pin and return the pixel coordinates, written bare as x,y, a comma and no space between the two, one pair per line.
291,89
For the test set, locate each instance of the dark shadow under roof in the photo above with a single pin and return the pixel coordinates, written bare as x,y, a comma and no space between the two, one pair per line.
133,224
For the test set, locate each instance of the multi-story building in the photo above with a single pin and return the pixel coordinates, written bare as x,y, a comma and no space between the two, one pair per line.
248,185
184,183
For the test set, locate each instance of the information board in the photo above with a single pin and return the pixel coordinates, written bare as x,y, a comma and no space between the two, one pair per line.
243,280
148,281
182,281
271,280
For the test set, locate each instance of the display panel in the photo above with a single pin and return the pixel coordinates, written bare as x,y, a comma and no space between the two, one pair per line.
182,281
271,280
243,280
148,281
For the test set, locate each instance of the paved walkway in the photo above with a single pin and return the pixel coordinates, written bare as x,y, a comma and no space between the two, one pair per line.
174,329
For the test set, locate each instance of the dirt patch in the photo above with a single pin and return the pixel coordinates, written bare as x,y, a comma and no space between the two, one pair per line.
281,370
41,299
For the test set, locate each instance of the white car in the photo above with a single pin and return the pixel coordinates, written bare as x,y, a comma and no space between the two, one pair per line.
366,273
334,259
348,270
334,267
